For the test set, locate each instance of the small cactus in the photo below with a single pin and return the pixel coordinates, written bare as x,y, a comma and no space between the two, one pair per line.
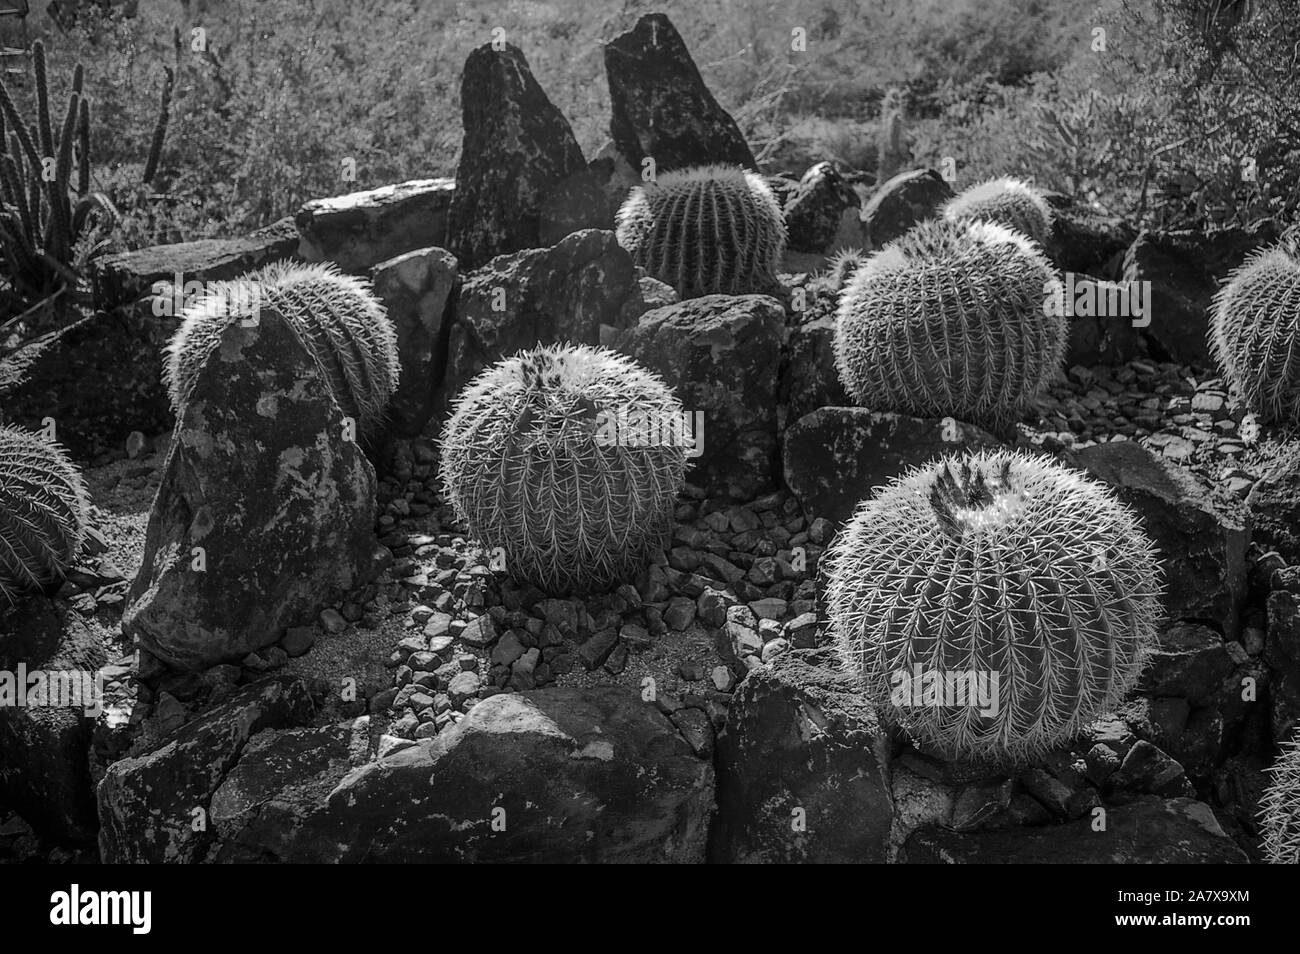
1002,564
43,512
1279,808
343,324
1255,333
891,146
1006,201
711,230
950,319
533,464
842,266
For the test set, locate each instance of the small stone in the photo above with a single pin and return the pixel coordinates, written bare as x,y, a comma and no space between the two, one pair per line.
596,650
723,680
680,613
298,639
769,608
802,631
773,649
690,671
479,633
508,649
464,687
332,621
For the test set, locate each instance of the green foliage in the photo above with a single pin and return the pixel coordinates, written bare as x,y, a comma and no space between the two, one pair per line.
1005,201
47,231
536,462
997,563
338,317
1279,808
43,512
706,231
1255,333
950,318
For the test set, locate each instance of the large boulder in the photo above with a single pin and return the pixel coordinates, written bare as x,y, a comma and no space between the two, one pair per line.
416,289
822,212
1282,655
359,230
1185,269
582,290
555,775
154,808
128,277
517,148
802,768
46,722
721,355
834,456
1148,830
1202,540
1274,505
809,379
900,203
660,105
1085,240
265,512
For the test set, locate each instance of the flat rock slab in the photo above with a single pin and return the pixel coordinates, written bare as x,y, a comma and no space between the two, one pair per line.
359,230
1149,831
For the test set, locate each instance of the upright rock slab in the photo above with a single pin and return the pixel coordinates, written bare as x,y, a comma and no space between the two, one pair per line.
721,356
660,105
416,289
265,513
1185,269
809,379
802,769
517,148
582,290
1274,505
822,213
834,456
1202,542
555,775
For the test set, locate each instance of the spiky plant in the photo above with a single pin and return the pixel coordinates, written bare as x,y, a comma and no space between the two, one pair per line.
43,511
1255,333
569,458
950,319
1279,807
1006,201
842,266
891,144
1002,564
709,230
343,324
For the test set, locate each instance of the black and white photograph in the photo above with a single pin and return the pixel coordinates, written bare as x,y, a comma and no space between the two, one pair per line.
650,432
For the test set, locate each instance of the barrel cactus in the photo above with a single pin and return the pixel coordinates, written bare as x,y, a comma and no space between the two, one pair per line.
950,318
710,230
1255,333
43,512
1279,808
842,266
569,459
342,323
1006,201
997,566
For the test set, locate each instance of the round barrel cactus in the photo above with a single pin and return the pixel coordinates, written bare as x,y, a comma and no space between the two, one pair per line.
951,318
1279,808
993,604
338,317
710,230
1006,201
43,511
1255,333
569,459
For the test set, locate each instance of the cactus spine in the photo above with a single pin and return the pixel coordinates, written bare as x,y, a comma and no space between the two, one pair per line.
1006,201
706,231
1255,333
950,318
569,459
996,564
343,324
1279,808
43,513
